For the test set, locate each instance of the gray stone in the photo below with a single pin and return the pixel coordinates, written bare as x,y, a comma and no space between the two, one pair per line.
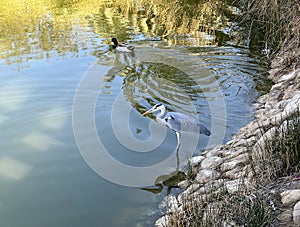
235,185
191,189
212,186
290,196
276,87
195,161
162,221
289,76
236,173
172,204
211,162
261,143
184,184
296,214
234,162
206,175
286,216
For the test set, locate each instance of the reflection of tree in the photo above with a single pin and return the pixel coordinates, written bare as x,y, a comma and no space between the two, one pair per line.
32,30
158,82
180,18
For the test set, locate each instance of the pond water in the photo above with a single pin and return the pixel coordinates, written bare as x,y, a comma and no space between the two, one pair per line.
75,149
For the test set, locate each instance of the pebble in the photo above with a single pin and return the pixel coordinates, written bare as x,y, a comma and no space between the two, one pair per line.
211,162
206,175
296,214
290,197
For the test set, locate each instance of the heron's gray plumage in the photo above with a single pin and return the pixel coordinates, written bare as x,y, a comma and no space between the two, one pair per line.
182,123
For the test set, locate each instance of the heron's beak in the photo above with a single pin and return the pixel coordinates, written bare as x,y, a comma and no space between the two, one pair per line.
147,112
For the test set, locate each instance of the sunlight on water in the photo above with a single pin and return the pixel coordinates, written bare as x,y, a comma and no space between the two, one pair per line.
12,97
13,169
2,118
55,118
39,141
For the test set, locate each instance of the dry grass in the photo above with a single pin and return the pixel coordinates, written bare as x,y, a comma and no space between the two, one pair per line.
273,25
281,154
219,207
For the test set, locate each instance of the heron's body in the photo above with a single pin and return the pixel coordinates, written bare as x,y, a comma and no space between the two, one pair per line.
121,47
182,123
177,121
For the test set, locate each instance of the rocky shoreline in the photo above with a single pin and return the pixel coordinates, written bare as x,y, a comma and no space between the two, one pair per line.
228,166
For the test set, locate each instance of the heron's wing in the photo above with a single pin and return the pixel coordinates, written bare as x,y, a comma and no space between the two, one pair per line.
183,123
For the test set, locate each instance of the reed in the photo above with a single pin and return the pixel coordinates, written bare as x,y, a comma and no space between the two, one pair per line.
281,153
272,24
218,207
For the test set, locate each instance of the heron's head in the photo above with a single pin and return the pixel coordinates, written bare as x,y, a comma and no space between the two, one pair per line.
155,108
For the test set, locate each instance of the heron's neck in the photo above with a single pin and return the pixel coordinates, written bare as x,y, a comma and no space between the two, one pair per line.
161,113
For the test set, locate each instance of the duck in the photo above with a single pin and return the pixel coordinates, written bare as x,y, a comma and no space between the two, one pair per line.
123,47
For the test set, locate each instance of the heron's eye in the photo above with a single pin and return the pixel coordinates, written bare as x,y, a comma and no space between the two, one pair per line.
157,105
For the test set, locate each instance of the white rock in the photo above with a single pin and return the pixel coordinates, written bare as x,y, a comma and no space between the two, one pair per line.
206,175
229,165
212,153
236,173
229,142
195,161
286,216
290,196
277,118
235,185
190,190
212,186
240,142
276,87
293,105
251,140
211,162
289,76
172,204
296,214
261,143
184,184
162,221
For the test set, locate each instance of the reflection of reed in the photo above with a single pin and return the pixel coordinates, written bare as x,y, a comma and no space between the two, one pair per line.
43,26
179,18
157,82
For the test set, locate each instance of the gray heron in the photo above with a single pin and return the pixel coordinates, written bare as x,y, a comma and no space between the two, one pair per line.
177,121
